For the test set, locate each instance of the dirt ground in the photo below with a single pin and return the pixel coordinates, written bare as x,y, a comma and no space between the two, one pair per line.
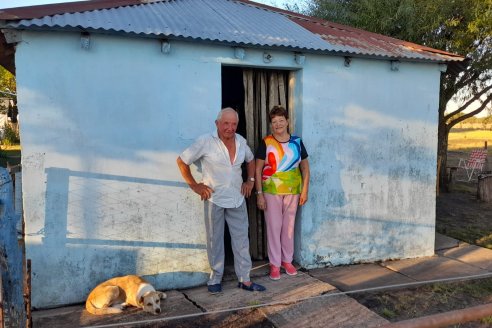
459,215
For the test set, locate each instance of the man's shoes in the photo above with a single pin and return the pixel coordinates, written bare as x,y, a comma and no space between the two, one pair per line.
214,289
252,288
274,272
289,269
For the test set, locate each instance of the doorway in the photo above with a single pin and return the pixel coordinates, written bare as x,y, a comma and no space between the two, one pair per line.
252,92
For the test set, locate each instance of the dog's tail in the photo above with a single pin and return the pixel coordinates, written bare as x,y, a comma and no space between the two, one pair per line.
100,311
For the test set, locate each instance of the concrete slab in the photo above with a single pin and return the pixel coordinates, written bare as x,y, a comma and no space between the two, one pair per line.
241,319
338,311
359,276
286,289
445,242
471,254
76,316
431,268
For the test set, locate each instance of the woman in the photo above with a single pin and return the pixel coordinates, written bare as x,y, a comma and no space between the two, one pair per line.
281,187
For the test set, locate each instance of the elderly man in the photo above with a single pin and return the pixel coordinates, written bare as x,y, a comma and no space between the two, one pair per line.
221,154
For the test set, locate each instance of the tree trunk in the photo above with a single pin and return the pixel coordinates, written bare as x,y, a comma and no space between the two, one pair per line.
442,154
484,190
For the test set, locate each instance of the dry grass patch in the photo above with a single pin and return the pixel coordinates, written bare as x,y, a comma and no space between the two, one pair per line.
398,305
462,139
10,154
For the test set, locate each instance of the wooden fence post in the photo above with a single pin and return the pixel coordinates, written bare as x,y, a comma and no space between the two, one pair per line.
11,257
484,189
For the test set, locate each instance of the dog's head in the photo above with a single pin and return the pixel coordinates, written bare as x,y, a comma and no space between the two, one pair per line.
151,302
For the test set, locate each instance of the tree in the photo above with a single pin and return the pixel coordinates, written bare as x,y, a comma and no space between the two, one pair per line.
7,82
459,26
8,91
7,88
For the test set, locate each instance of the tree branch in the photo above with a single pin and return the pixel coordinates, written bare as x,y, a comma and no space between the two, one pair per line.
469,102
470,114
465,80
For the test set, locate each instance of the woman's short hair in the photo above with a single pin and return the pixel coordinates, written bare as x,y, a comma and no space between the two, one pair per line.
278,111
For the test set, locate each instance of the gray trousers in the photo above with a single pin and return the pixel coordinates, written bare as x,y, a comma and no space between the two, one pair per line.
237,221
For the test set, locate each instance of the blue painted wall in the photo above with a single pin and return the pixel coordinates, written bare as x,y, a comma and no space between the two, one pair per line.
101,129
11,256
372,135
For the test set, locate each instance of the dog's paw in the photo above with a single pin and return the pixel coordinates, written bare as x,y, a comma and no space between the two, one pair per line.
162,295
121,306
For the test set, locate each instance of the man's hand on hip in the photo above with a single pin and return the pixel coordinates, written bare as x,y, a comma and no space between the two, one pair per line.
204,191
246,188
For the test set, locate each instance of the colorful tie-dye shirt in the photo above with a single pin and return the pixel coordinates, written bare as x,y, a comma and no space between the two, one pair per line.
281,174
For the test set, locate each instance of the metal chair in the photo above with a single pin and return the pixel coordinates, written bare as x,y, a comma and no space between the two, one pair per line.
474,164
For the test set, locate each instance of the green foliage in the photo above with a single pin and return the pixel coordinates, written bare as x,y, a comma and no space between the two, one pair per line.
7,81
459,26
11,135
463,27
7,84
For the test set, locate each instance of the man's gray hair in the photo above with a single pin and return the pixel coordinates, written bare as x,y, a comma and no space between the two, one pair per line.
225,110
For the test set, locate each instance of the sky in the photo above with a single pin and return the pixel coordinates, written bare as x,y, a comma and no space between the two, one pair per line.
22,3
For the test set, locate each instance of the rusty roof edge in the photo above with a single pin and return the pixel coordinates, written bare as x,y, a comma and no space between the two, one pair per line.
32,12
293,15
81,6
246,45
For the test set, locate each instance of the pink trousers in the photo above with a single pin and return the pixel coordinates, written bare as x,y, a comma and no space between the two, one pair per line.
280,217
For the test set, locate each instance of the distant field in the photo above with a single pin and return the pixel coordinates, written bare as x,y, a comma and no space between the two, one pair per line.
10,154
463,139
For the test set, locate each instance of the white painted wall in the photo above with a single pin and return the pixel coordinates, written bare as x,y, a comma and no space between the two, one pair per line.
101,130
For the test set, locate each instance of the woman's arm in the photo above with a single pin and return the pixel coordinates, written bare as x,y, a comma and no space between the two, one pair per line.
305,181
260,200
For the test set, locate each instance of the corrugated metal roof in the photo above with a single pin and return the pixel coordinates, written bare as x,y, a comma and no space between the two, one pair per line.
238,22
372,44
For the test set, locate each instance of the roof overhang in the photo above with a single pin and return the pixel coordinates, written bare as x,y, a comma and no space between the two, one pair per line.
343,40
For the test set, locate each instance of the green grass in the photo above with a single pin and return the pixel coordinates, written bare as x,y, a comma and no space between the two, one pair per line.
10,154
388,313
487,320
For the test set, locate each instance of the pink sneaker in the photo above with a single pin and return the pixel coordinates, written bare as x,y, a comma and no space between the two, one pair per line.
274,272
289,269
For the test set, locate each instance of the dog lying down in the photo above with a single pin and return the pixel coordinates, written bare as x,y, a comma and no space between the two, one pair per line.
115,294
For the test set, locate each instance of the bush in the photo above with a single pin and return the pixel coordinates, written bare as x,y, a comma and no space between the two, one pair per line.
10,135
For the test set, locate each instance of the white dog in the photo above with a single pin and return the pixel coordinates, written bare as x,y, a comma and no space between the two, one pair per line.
114,295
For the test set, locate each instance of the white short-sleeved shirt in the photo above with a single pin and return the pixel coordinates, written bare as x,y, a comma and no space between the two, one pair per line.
218,172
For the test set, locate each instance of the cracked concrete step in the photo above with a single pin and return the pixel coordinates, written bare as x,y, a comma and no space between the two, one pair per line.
329,311
471,254
432,268
286,289
445,242
359,276
325,311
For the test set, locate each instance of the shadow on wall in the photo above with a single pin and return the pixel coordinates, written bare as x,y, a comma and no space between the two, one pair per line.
100,226
100,190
